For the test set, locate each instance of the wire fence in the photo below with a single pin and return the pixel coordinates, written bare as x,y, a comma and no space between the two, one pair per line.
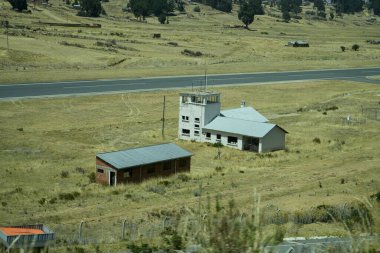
371,113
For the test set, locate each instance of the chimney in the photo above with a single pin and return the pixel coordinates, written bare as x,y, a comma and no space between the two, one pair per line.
242,104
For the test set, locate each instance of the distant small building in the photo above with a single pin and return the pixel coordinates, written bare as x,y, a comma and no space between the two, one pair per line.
28,238
244,128
136,164
298,43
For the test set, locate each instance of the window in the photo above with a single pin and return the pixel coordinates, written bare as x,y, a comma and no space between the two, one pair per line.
218,137
167,165
186,132
196,126
151,170
100,171
232,140
127,174
196,120
208,136
196,133
185,118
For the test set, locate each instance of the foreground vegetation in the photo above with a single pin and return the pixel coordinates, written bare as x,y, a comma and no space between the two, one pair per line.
124,47
48,152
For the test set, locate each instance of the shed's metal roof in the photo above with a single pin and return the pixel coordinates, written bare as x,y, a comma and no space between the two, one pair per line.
239,126
246,113
144,155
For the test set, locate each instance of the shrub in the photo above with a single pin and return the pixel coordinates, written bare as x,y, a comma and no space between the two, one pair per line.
4,204
173,43
189,52
332,16
343,48
218,168
342,181
322,14
355,47
92,177
316,140
162,18
65,174
68,195
197,9
80,170
183,177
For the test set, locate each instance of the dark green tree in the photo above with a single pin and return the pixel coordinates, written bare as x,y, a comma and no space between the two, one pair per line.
247,13
375,6
258,7
320,5
140,8
90,8
348,6
19,5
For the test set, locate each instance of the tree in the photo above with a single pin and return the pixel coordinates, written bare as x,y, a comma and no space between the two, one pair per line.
355,47
348,6
90,8
19,5
320,5
258,7
246,13
288,6
140,8
375,6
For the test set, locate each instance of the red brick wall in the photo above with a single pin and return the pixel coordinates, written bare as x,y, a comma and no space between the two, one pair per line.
138,174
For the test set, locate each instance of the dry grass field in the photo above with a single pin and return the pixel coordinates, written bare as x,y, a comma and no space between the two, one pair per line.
48,148
124,47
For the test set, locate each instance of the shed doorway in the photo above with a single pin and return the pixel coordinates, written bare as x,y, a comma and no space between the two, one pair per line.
251,143
112,177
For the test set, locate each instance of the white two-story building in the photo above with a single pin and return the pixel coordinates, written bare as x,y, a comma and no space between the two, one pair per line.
200,119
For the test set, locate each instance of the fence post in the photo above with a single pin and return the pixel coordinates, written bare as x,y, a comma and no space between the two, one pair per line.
80,231
123,230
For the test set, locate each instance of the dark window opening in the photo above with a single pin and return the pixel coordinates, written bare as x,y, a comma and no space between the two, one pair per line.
218,137
185,118
100,171
197,120
196,125
208,135
185,132
196,133
232,140
127,174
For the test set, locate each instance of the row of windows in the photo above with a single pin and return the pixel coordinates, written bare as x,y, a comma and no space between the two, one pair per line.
232,140
186,119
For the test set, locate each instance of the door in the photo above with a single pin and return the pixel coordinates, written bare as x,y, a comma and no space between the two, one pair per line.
112,177
251,143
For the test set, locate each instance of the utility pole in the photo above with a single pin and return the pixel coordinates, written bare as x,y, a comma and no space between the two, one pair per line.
163,119
7,27
205,80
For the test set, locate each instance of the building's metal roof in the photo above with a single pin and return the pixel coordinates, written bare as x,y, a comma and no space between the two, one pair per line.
28,236
240,126
246,113
144,155
199,93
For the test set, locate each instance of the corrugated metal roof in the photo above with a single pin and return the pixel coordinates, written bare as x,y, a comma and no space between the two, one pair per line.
144,155
246,113
239,126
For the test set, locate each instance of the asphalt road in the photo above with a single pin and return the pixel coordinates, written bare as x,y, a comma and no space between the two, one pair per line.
14,91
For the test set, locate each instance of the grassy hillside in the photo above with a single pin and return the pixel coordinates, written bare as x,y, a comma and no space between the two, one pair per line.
48,148
124,47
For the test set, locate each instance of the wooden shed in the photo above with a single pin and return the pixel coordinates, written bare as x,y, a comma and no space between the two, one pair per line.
136,164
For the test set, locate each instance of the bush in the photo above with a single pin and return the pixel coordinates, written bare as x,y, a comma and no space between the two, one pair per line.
183,177
322,14
68,195
197,9
343,48
189,52
162,18
65,174
316,140
355,47
92,177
